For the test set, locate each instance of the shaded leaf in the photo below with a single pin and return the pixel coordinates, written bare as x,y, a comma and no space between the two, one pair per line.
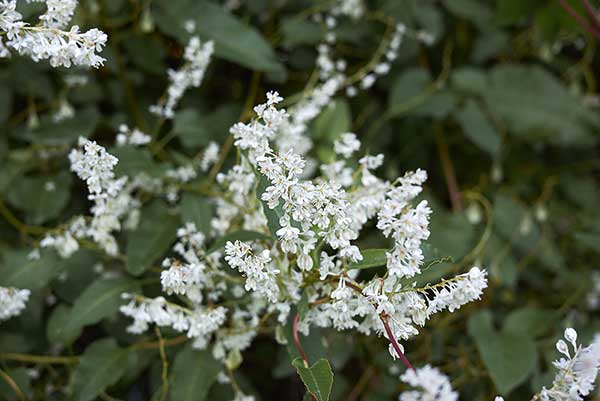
194,372
317,378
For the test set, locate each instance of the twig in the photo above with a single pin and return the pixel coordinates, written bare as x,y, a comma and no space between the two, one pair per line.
165,365
580,20
395,344
448,168
362,382
299,346
13,385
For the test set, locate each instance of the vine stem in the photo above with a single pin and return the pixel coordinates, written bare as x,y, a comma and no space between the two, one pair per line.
580,20
299,346
395,344
13,385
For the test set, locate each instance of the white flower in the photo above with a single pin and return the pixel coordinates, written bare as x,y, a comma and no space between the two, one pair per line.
135,137
577,373
346,145
12,301
431,383
48,41
197,56
210,156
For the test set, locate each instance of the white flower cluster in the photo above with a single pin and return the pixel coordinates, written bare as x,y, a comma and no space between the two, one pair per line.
48,41
210,156
12,301
196,56
431,384
135,137
321,212
406,225
576,373
260,274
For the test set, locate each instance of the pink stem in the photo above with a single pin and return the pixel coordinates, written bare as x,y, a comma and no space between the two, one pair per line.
580,20
395,344
592,13
299,346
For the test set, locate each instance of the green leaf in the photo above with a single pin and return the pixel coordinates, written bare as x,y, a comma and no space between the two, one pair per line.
407,87
241,235
196,209
18,270
536,106
472,10
333,121
101,299
194,372
133,160
530,321
55,328
41,198
509,357
300,31
478,128
371,258
150,241
64,132
195,129
318,379
234,40
101,365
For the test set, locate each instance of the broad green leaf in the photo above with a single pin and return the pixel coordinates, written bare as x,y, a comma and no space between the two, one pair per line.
101,365
197,128
55,328
133,161
371,258
65,132
530,321
469,79
150,241
299,31
18,270
41,198
334,120
318,378
478,128
196,209
472,10
536,106
509,357
234,40
241,235
101,299
193,374
407,89
439,105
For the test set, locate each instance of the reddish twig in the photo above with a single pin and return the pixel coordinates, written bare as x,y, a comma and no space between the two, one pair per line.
395,344
299,346
593,14
580,20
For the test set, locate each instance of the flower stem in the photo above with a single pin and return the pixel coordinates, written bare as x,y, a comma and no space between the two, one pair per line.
299,346
392,339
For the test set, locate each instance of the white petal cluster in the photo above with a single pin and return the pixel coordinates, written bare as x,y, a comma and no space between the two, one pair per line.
196,57
452,294
430,384
94,165
65,244
260,273
210,156
12,301
408,226
198,324
346,145
577,371
135,137
48,41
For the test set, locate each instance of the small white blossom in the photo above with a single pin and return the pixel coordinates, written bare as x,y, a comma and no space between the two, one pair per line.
12,301
431,384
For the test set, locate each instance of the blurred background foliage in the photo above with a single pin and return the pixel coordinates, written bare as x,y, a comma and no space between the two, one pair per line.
501,110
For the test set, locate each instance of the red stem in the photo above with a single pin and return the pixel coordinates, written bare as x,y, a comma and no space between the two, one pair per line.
592,13
395,345
299,346
580,20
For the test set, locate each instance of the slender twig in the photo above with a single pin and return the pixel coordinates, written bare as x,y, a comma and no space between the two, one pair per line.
165,365
395,344
592,12
448,168
40,359
362,382
580,20
299,346
13,385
